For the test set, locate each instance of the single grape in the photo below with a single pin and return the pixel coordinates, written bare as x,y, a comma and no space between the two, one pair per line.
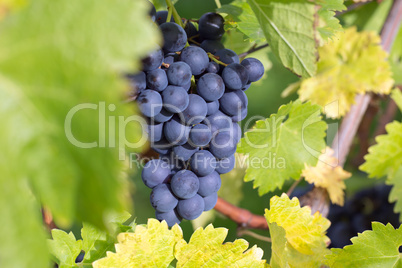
185,151
155,132
162,146
213,67
247,86
210,201
157,80
190,29
162,198
175,99
234,131
235,76
232,102
200,135
179,73
211,26
213,107
173,161
196,110
239,117
218,121
163,116
174,36
185,184
210,86
254,68
209,184
196,58
161,17
171,217
176,132
227,56
203,163
211,46
150,102
170,58
152,11
191,208
152,61
137,82
222,145
225,165
155,172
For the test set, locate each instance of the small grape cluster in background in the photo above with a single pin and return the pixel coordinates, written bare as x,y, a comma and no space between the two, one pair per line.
359,212
192,96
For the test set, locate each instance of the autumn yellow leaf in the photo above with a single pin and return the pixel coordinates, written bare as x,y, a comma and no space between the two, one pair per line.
327,174
352,63
298,238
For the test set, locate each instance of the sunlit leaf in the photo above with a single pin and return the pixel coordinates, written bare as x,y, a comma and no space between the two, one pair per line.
278,147
148,246
205,249
64,248
298,238
352,63
327,174
292,39
376,248
241,16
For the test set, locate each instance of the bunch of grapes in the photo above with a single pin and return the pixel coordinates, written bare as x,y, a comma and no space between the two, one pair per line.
193,98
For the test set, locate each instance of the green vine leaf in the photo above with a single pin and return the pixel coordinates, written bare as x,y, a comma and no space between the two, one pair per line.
279,147
67,56
65,248
292,39
396,95
328,23
385,158
298,238
241,16
376,248
395,58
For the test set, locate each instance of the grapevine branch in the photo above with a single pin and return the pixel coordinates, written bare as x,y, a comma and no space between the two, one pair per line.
343,139
351,121
252,49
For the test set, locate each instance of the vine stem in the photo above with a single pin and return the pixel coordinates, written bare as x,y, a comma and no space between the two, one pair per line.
241,232
214,58
252,49
218,3
344,136
243,217
176,15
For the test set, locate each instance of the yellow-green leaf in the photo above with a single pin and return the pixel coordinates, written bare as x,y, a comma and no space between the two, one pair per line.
278,147
385,158
396,95
298,238
64,247
148,246
205,249
328,23
352,63
376,248
327,174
